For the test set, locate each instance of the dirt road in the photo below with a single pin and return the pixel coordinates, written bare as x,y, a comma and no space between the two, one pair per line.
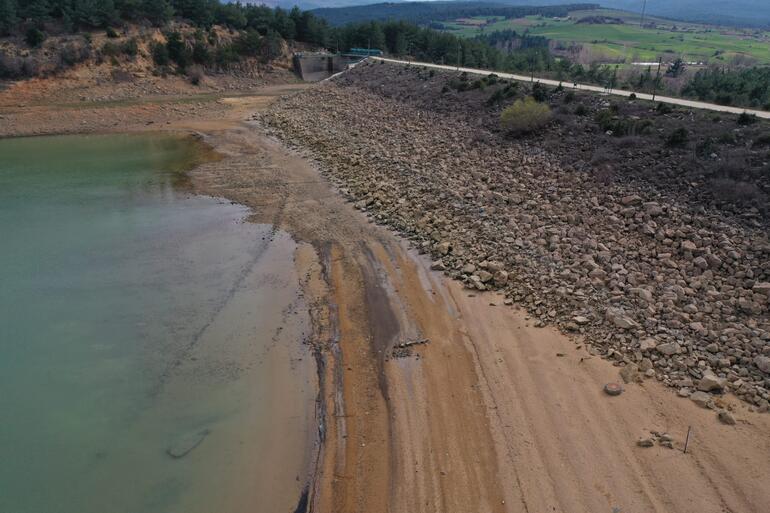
492,414
584,87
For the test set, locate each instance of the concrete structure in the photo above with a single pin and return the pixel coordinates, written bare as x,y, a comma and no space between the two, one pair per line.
314,67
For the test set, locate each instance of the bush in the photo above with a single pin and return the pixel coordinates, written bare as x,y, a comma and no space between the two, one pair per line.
525,116
678,137
110,49
745,119
632,96
130,47
581,110
160,54
569,97
539,92
664,108
195,74
34,37
110,32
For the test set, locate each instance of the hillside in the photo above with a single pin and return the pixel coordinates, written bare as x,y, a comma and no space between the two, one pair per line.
749,13
425,12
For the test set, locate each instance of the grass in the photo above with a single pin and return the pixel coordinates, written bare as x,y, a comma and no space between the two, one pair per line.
630,42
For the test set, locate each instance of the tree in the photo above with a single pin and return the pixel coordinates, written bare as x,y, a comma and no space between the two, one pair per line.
676,68
8,17
34,37
177,49
157,12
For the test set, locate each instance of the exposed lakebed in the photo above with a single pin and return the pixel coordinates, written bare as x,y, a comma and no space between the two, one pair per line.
151,354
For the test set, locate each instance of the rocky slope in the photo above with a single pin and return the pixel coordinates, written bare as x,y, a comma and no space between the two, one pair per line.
666,290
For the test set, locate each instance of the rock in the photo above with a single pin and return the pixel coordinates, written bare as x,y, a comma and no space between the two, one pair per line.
762,363
469,269
438,265
443,247
500,278
580,320
710,382
702,399
669,348
186,443
645,442
762,288
613,389
485,276
647,344
631,200
620,319
630,373
725,417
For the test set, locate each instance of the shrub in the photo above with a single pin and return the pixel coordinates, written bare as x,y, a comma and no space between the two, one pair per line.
569,97
110,32
200,53
539,92
110,49
130,47
632,96
525,116
34,37
581,110
664,108
678,137
160,54
497,97
195,74
745,119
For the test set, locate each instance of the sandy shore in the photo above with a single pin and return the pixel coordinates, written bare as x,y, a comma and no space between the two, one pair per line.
492,414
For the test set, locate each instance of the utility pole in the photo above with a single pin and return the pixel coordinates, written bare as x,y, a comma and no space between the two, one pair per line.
657,79
644,11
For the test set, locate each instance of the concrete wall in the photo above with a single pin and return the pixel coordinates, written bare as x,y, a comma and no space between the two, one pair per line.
315,67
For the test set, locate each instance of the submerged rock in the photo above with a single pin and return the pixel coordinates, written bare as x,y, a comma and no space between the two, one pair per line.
182,446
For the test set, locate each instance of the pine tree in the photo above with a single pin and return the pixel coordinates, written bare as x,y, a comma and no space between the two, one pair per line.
8,17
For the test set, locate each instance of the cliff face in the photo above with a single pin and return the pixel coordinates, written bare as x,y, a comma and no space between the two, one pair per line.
131,50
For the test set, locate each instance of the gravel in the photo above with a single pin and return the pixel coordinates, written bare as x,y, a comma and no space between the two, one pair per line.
638,276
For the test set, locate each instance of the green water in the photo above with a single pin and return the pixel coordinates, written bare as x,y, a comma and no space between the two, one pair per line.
114,291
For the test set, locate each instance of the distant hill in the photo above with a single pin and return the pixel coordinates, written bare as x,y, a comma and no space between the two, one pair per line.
425,12
752,13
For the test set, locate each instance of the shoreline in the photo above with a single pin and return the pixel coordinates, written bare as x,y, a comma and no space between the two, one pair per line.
493,414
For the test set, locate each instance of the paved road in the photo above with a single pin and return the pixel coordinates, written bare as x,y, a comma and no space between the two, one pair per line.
584,87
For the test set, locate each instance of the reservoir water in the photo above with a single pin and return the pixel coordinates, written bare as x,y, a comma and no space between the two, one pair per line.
151,340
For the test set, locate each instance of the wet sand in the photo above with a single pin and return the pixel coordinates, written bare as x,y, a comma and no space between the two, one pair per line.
492,414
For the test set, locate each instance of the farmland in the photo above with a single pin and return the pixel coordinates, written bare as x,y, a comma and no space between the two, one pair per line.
617,36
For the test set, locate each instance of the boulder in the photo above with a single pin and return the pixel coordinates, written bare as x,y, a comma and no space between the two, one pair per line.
669,348
710,382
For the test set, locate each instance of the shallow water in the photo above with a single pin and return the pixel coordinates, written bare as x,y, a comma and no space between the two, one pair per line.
135,318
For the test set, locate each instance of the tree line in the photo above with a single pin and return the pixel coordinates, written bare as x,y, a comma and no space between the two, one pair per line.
422,13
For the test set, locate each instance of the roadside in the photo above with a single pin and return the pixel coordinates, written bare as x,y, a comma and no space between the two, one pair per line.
585,87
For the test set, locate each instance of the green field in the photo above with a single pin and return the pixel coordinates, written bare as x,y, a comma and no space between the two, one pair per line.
629,42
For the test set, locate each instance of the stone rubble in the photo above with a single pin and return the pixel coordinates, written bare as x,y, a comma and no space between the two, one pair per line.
680,293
